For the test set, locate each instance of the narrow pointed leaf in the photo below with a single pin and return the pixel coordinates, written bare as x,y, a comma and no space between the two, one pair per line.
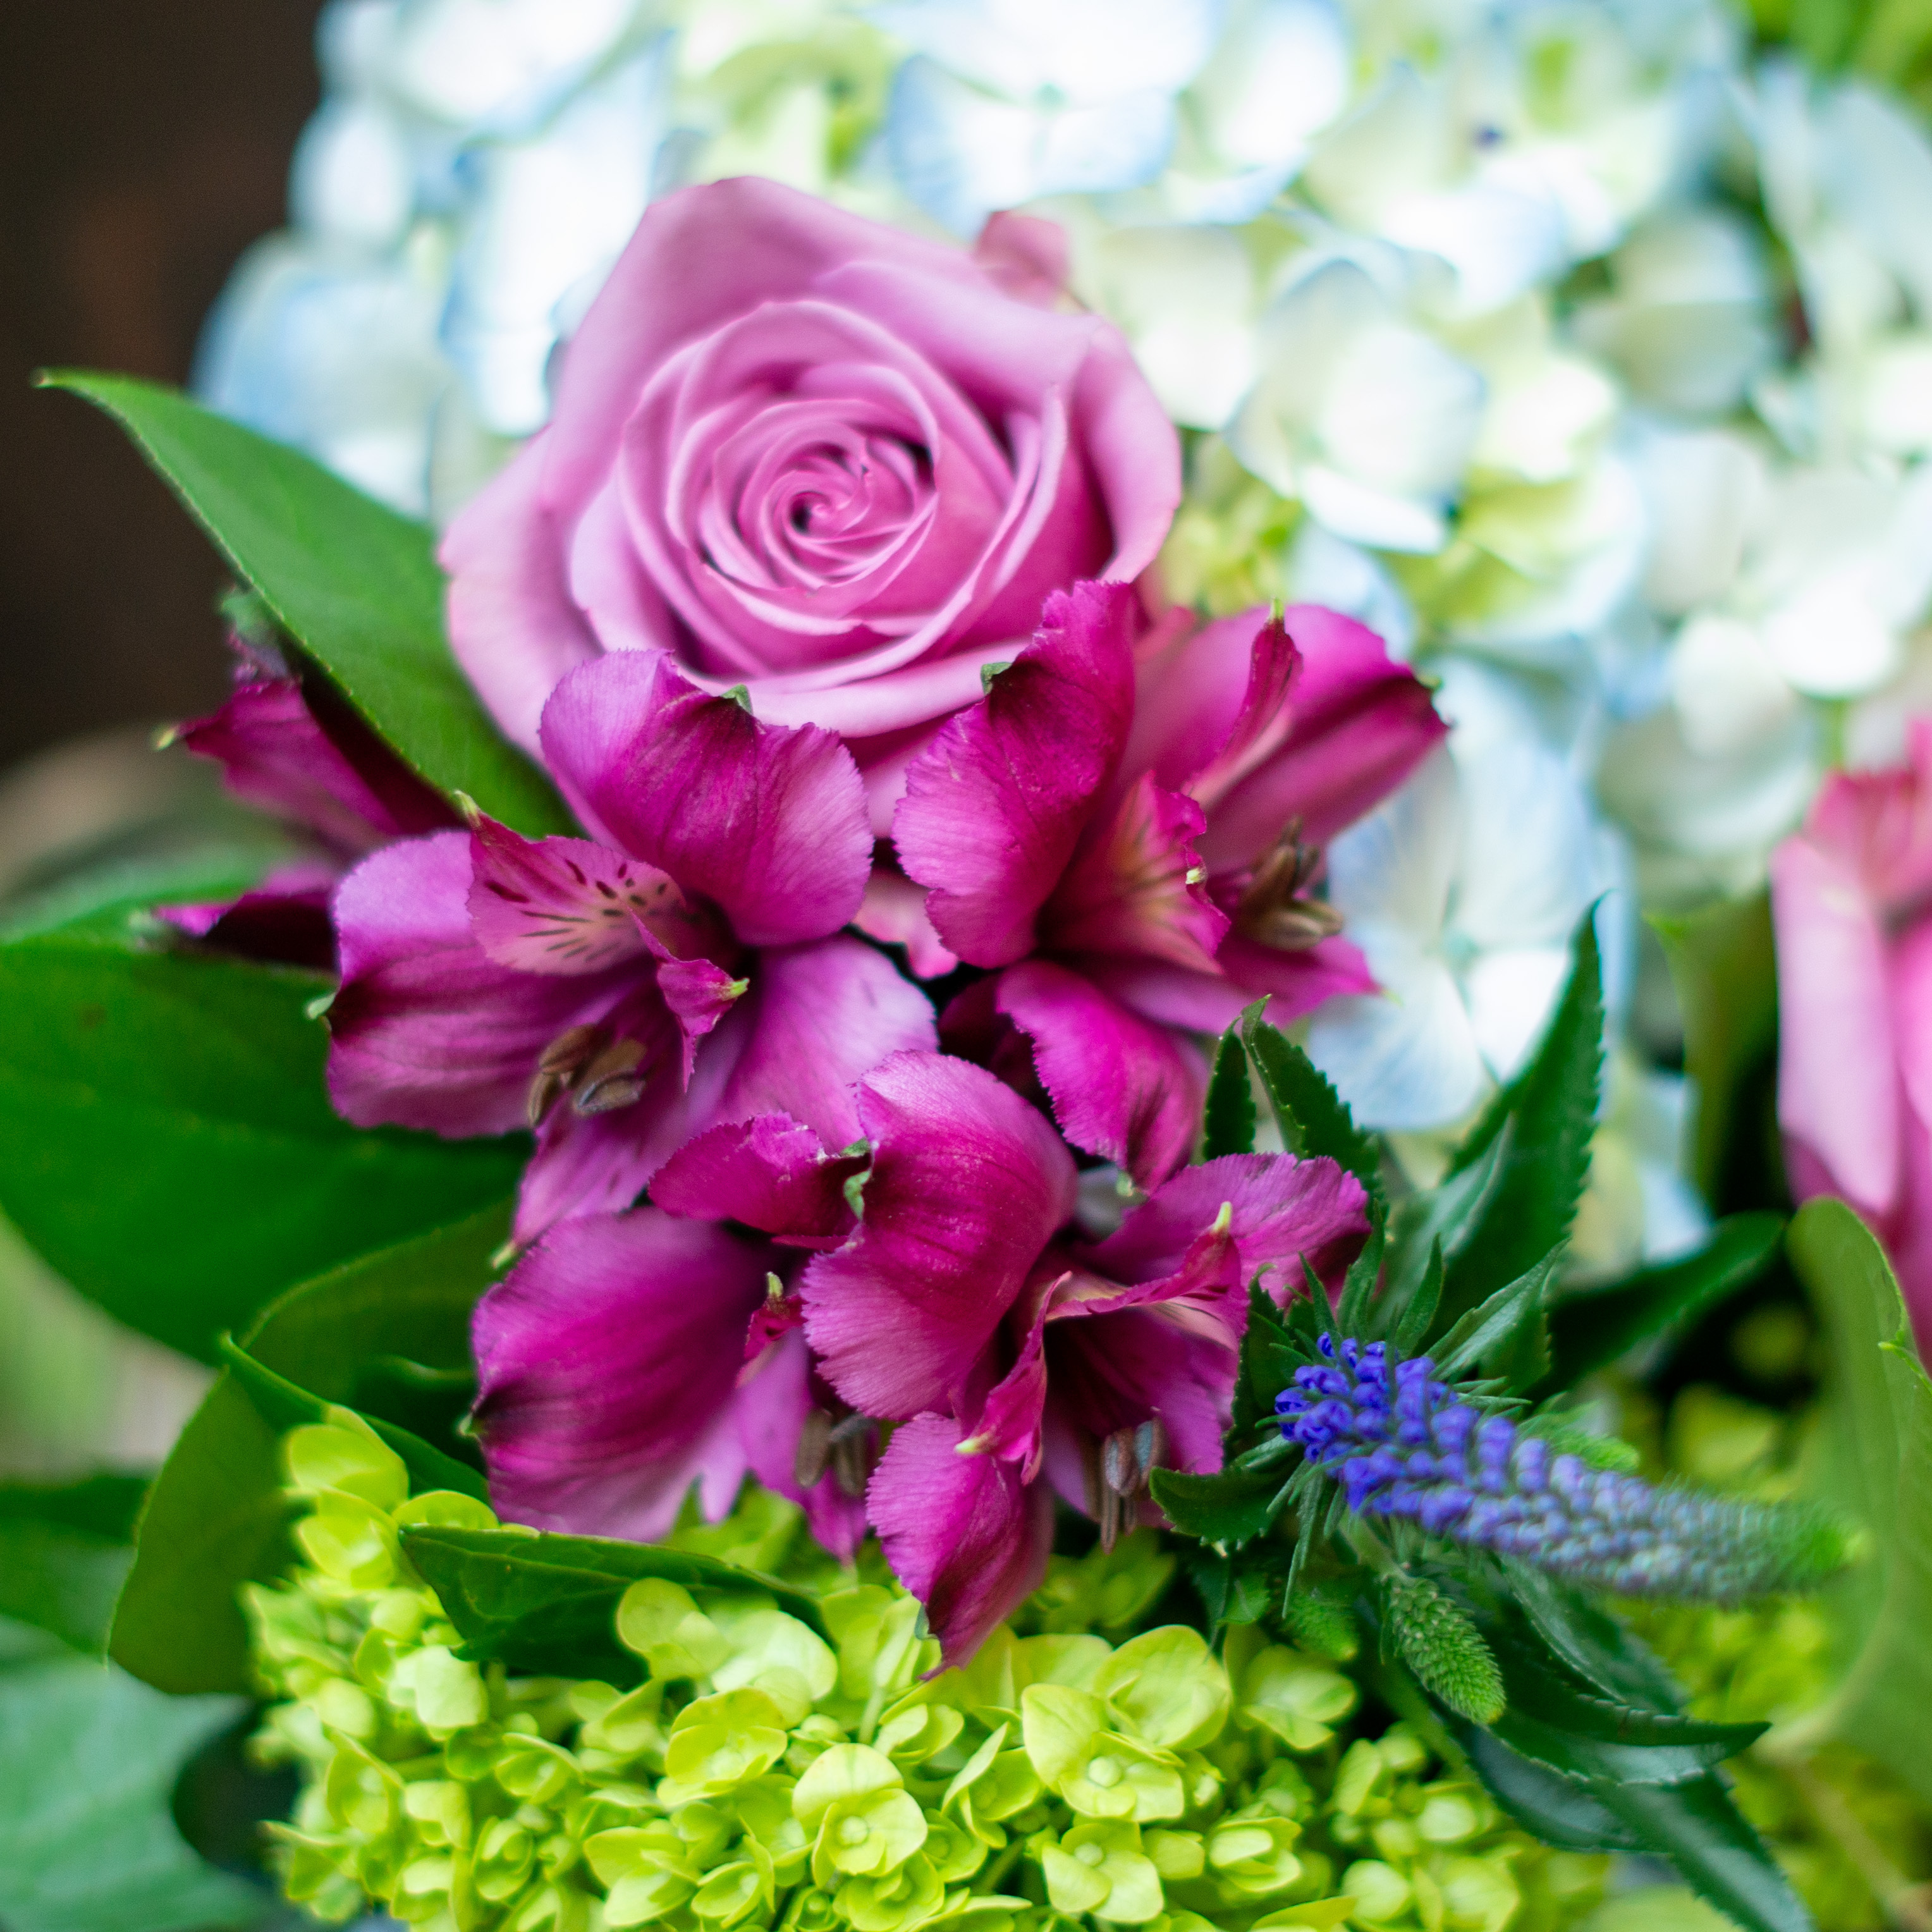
1590,1329
1311,1116
1551,1107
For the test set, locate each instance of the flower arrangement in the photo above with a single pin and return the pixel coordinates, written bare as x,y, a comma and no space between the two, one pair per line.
923,1182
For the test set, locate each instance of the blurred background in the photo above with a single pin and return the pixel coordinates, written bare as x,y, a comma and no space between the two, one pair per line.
142,149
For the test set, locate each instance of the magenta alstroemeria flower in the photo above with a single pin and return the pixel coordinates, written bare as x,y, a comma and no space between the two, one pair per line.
1129,831
292,747
1850,897
627,1357
618,994
1018,1357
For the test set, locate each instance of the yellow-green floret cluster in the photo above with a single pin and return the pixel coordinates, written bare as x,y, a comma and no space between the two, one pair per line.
763,1773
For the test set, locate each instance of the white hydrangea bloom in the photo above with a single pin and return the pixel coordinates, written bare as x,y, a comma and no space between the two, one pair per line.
1463,890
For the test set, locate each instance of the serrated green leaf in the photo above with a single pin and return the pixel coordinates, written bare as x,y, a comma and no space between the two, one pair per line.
284,1404
1592,1642
1550,1111
1233,1506
1590,1329
64,1550
89,1759
548,1603
167,1142
356,585
217,1517
1723,964
1495,1333
1699,1829
1446,1216
1562,1811
1878,1468
1311,1115
1227,1121
1263,1371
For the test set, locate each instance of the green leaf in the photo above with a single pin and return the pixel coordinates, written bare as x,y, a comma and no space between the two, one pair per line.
1693,1824
1723,964
548,1603
1310,1114
355,584
217,1517
1559,1810
284,1405
1698,1827
167,1144
1592,1642
1267,1361
1878,1467
1549,1112
1591,1328
89,1759
1501,1330
1234,1506
64,1550
1436,1217
1228,1123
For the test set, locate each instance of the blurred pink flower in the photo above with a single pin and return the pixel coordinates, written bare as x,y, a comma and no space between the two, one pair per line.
1851,898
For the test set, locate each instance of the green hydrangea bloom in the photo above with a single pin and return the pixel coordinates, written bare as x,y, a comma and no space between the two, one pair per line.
764,1775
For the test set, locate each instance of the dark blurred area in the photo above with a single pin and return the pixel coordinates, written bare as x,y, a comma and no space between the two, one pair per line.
142,147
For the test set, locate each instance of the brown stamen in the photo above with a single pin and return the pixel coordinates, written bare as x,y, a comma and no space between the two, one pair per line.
813,1456
558,1067
1275,909
1127,1458
615,1079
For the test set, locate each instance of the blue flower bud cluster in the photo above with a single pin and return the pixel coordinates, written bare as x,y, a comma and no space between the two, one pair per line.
1403,1444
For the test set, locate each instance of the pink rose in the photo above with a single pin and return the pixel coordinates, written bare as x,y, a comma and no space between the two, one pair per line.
835,463
1851,899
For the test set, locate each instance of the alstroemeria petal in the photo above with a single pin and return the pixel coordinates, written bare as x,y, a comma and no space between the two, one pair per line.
607,1365
307,757
699,993
1281,1210
1120,1088
1214,705
769,823
894,913
816,1019
1116,1371
427,1031
1362,724
562,905
771,1173
1137,885
773,1405
968,1185
994,805
964,1534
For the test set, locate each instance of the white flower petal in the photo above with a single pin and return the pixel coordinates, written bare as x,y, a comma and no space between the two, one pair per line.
1403,1059
1510,997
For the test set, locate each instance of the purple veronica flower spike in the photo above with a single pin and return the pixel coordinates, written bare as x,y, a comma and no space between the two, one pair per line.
1402,1444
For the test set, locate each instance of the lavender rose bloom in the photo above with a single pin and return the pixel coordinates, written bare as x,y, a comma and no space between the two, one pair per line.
835,463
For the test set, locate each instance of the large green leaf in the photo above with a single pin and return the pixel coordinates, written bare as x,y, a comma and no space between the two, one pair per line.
1723,965
216,1518
1591,1328
1878,1468
547,1603
64,1550
88,1761
1539,1129
167,1144
355,584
